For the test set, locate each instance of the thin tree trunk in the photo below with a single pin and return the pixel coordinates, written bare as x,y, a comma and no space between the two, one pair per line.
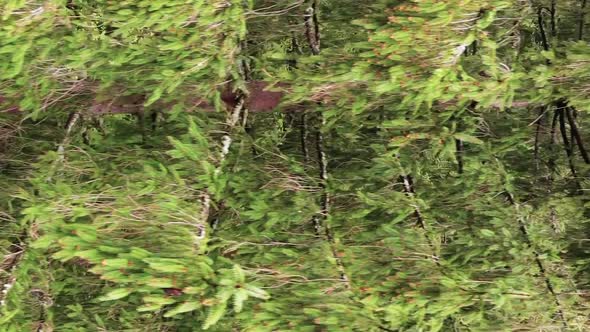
312,33
566,142
459,151
541,24
303,136
553,25
538,138
538,261
575,133
581,20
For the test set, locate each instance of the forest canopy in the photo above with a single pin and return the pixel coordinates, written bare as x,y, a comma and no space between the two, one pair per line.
294,165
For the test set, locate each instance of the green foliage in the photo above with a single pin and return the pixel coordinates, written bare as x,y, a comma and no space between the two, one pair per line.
435,182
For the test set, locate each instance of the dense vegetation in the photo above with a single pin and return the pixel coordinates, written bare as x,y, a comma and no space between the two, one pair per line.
426,169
